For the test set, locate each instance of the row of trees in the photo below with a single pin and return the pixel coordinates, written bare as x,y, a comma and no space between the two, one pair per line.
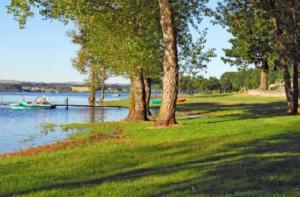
265,33
10,88
138,39
27,87
228,82
141,39
53,87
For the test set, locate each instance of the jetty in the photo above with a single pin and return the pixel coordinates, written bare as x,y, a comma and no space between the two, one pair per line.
67,105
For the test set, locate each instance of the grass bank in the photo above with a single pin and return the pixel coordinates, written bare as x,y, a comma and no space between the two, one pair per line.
241,146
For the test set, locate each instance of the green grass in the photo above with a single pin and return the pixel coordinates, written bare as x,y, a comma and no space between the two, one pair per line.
243,146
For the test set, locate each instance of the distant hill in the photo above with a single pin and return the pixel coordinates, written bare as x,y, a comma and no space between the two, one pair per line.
19,82
74,83
69,83
10,81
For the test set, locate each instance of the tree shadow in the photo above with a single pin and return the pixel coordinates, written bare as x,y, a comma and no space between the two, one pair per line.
243,110
246,111
214,95
261,167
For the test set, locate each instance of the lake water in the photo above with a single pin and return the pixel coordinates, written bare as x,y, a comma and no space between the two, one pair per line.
21,129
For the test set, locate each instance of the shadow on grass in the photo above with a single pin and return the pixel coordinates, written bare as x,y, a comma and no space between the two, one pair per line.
246,111
214,95
267,167
262,167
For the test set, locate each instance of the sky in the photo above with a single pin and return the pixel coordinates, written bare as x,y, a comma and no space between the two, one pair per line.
41,52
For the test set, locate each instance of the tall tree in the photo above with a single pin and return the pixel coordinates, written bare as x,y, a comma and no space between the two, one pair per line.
226,82
147,84
253,41
295,7
283,16
175,17
87,60
85,64
166,115
137,29
279,12
128,35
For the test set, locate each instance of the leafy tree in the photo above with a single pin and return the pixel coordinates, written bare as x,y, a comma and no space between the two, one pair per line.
88,61
196,82
85,63
127,39
226,82
136,30
251,78
184,83
175,16
285,19
253,41
210,84
192,57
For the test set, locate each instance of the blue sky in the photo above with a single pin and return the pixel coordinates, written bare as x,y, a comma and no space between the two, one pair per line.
42,51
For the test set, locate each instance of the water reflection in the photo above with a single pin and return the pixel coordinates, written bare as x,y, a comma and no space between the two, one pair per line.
102,114
92,114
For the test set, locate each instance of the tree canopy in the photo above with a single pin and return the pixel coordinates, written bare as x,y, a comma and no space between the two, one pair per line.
133,37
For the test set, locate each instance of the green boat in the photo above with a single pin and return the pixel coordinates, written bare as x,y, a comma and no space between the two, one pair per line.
41,102
159,101
156,101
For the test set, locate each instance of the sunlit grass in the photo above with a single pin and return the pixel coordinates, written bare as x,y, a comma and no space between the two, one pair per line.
242,146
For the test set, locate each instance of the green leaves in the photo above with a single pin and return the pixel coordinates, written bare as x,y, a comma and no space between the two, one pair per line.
192,57
21,11
252,30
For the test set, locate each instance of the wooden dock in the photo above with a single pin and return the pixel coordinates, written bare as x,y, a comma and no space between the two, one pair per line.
71,105
66,104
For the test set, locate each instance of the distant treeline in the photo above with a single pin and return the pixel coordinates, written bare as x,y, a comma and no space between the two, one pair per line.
10,88
228,82
52,87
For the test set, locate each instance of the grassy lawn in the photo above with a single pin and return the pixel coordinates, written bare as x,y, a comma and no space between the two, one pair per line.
240,146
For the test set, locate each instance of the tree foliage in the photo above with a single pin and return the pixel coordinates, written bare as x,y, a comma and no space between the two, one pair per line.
130,36
282,18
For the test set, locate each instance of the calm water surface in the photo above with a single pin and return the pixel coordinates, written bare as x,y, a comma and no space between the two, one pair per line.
21,129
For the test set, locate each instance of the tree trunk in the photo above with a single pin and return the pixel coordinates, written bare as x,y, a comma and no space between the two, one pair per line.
147,83
102,91
292,109
166,115
92,115
298,70
132,100
137,108
264,75
103,78
91,98
296,77
288,91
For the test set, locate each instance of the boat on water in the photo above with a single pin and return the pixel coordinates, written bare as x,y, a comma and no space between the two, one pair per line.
116,95
40,102
159,101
